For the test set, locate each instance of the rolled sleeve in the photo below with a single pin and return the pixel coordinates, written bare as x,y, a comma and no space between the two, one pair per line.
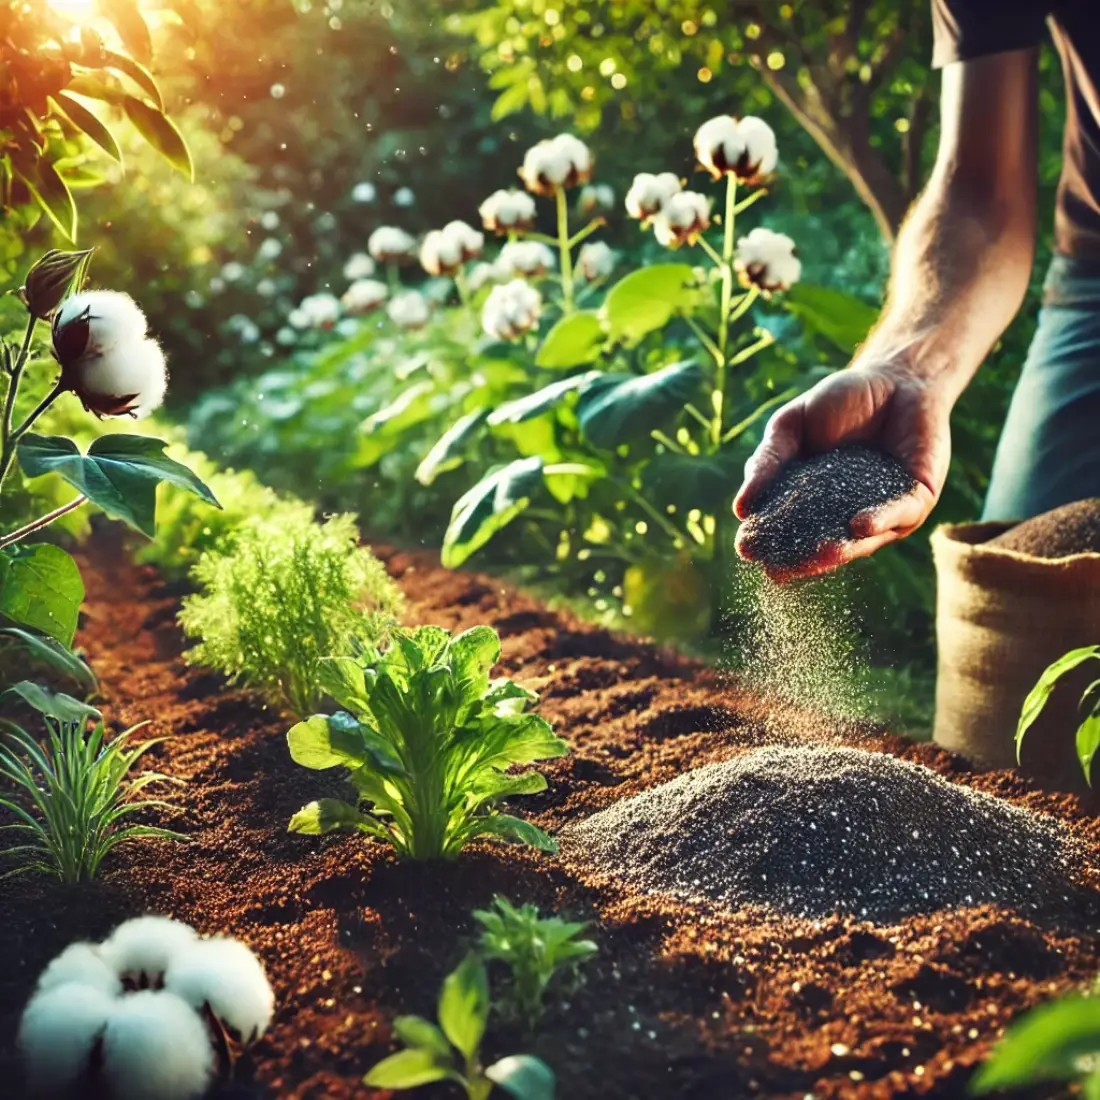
965,29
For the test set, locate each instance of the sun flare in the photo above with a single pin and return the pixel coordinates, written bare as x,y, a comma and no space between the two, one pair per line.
81,10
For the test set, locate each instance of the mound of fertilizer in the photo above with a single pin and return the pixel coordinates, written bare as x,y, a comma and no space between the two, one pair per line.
1071,529
813,832
812,502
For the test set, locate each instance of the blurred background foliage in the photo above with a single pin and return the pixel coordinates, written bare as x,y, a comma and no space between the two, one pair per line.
311,123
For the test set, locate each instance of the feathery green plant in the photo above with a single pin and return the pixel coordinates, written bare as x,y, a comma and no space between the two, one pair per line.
280,595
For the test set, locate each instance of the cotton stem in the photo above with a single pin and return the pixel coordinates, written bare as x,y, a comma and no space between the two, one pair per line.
564,251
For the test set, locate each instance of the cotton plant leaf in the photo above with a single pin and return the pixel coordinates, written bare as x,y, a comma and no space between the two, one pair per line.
50,652
407,1069
1037,698
51,704
446,454
415,1031
41,589
464,1005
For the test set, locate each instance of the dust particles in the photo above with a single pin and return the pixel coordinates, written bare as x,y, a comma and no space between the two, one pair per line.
1071,529
813,832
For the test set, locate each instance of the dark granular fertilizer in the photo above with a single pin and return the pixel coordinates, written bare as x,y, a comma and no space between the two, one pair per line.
812,502
1071,529
813,832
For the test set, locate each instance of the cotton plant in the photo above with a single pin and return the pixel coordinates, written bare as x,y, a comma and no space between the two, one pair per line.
594,199
393,248
511,310
364,295
409,309
147,1014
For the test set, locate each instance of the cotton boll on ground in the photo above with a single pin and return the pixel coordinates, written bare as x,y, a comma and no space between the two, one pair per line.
141,949
58,1033
84,964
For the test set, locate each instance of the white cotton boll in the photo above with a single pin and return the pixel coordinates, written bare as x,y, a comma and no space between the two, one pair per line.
58,1032
81,963
481,275
322,310
595,198
156,1047
595,261
562,161
145,945
526,258
364,295
410,309
649,192
440,253
768,259
388,244
359,266
130,379
761,150
719,145
504,211
511,310
298,318
112,318
682,218
224,974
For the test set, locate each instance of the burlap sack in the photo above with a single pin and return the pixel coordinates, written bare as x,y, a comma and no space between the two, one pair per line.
1001,618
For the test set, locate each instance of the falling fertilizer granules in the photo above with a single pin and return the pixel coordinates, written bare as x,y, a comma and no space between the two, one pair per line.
812,503
814,832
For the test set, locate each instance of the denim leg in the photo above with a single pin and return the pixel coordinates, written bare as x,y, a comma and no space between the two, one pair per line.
1049,450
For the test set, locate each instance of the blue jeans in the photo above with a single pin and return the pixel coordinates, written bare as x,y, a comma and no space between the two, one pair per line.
1049,451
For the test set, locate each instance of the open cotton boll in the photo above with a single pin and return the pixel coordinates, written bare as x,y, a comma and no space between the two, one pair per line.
595,198
504,211
719,145
682,218
511,310
156,1047
526,258
761,153
81,963
59,1031
595,261
481,275
224,974
359,266
410,309
129,380
553,163
649,193
466,238
364,295
144,946
388,244
321,310
94,322
768,260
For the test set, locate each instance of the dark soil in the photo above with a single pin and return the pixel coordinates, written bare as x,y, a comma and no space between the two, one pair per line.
684,1002
1071,529
811,504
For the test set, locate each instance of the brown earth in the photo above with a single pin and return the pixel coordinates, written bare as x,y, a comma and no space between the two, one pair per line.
682,1003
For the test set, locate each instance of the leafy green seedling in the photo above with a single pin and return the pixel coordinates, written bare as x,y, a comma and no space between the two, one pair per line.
428,741
76,795
452,1051
1088,732
538,951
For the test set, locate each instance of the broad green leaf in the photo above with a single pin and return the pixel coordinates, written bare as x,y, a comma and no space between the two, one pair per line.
325,816
837,317
464,1005
523,1077
406,1070
132,29
49,190
692,481
447,452
1044,1045
40,587
646,300
515,828
622,407
51,704
55,655
1090,1087
415,1031
324,741
471,655
1088,742
510,101
101,86
493,786
491,504
343,678
1040,693
535,404
410,407
161,133
84,120
120,473
575,340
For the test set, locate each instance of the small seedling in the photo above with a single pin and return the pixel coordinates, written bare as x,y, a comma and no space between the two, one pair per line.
538,951
76,794
452,1051
428,742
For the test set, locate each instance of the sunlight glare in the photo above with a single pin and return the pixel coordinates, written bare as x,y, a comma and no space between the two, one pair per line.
82,10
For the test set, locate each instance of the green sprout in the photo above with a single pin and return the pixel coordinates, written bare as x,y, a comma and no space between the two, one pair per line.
428,741
451,1051
538,951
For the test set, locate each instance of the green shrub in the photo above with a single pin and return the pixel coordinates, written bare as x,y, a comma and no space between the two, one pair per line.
428,743
282,594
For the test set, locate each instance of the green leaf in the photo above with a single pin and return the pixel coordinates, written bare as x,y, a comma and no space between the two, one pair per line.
535,404
410,407
40,587
1042,1046
622,407
523,1077
84,120
490,505
646,300
510,101
325,741
471,656
1088,742
448,450
161,133
464,1005
120,473
52,704
415,1031
692,481
56,656
575,340
1040,693
515,828
327,815
49,190
131,27
837,317
406,1070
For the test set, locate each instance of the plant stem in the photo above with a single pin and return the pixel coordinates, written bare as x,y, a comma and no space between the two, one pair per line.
564,251
7,437
724,316
463,288
703,338
587,231
42,521
39,409
393,278
663,522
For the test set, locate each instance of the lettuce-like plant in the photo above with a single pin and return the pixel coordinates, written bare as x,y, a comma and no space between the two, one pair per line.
537,950
428,741
452,1051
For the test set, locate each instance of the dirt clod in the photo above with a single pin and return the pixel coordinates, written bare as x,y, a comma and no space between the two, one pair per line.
1071,529
818,831
813,501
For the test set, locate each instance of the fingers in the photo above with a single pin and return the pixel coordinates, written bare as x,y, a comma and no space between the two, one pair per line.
782,442
901,516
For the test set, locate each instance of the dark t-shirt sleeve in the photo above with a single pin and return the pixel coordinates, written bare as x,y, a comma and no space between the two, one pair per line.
965,29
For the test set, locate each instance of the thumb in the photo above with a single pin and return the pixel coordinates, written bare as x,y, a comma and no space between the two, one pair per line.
782,441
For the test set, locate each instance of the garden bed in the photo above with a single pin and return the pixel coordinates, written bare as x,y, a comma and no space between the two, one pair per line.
684,1000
